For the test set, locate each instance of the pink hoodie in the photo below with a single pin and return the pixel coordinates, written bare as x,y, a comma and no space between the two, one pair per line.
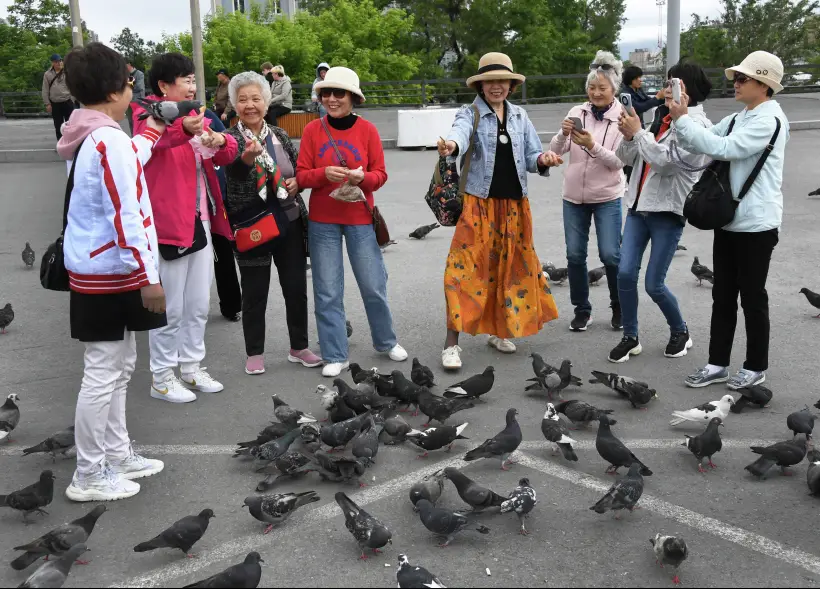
82,123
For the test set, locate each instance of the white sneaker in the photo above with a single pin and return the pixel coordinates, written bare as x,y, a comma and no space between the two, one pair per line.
334,369
136,466
202,381
397,353
502,345
450,358
105,485
172,390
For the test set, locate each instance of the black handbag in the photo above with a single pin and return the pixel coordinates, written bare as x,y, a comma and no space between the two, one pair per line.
710,204
53,273
170,253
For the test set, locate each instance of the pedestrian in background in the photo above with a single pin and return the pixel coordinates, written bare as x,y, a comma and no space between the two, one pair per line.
633,85
56,96
222,101
138,79
321,72
281,96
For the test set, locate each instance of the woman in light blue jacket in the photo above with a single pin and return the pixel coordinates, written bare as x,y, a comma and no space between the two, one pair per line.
493,282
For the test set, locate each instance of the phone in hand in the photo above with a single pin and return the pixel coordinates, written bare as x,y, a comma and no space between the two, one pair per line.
675,83
626,100
579,126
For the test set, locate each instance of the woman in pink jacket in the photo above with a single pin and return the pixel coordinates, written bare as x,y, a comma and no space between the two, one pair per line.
187,204
593,186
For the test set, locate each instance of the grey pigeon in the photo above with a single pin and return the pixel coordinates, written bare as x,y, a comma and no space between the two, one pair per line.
680,248
614,451
339,468
9,416
405,390
415,577
801,422
556,432
182,534
441,409
430,488
360,375
396,429
349,328
422,375
542,368
755,395
706,444
271,432
702,272
245,575
339,434
368,531
704,413
580,412
813,472
28,256
277,508
290,465
288,415
362,398
6,317
53,573
335,405
32,498
813,298
595,275
272,450
59,540
168,111
423,231
365,445
473,387
502,445
522,501
445,522
436,438
636,392
670,550
624,494
783,454
473,494
60,442
555,275
550,380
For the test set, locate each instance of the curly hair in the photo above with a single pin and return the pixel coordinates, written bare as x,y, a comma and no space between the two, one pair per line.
239,81
607,65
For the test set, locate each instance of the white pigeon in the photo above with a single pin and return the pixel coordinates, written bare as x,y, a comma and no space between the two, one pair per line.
703,413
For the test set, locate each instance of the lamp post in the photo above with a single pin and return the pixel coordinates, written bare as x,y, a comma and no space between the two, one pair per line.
672,33
76,23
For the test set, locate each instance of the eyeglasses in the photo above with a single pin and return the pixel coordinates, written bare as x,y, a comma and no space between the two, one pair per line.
741,79
601,66
131,81
336,92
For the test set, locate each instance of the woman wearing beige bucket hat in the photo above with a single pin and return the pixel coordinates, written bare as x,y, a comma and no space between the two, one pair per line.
492,281
743,249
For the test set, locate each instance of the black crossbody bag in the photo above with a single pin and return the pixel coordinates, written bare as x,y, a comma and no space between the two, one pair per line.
53,273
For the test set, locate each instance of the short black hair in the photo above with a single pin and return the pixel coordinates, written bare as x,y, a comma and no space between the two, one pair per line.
770,92
167,67
94,72
698,85
631,73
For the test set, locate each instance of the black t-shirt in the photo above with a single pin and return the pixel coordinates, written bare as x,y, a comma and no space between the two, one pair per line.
505,183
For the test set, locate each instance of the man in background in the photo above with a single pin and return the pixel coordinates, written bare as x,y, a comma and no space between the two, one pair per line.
222,101
56,97
138,91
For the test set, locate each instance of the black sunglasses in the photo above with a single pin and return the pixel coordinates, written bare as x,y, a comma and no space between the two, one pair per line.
337,92
602,66
740,79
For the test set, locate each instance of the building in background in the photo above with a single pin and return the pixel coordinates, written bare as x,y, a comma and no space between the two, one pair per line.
640,58
287,8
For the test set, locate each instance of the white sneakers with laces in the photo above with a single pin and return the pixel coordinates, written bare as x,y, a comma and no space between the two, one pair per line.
104,485
397,353
172,390
504,346
450,358
334,369
135,466
202,381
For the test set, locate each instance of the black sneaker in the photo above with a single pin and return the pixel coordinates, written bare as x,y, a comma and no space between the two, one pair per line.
581,322
629,346
617,320
678,345
233,317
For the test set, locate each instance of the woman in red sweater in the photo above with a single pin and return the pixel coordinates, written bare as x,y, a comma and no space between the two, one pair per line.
336,149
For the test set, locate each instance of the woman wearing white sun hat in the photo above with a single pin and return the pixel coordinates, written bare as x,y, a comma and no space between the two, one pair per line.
743,249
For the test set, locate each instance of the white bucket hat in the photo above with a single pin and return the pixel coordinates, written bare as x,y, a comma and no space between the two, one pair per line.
343,78
761,66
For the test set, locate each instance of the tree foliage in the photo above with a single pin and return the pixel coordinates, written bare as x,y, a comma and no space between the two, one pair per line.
135,49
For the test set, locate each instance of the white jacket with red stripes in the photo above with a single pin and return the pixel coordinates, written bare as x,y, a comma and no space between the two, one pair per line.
110,243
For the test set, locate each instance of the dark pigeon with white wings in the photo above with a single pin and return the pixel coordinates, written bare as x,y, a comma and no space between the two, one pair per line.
522,501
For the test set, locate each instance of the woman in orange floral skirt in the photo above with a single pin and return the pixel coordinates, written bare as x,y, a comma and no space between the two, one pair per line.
493,282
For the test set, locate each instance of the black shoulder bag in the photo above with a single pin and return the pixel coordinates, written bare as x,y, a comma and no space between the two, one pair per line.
53,274
711,205
170,252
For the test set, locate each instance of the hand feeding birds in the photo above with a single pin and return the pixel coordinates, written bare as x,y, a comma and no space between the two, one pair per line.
169,111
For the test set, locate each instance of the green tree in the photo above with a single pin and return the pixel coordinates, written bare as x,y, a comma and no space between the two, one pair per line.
40,17
603,21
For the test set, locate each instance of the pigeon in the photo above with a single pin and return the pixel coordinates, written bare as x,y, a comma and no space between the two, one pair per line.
245,575
473,387
706,444
416,577
368,531
168,111
801,422
813,298
338,468
277,508
441,409
359,374
421,375
405,390
636,392
815,192
288,415
444,522
6,317
339,434
182,534
595,275
336,407
275,448
59,540
362,398
28,256
473,494
556,432
9,416
522,501
552,382
555,275
388,244
271,432
541,368
365,445
670,550
430,488
784,454
396,429
423,231
32,498
624,494
756,395
701,272
614,451
292,464
502,445
436,438
813,472
349,328
53,573
580,412
680,248
60,442
703,413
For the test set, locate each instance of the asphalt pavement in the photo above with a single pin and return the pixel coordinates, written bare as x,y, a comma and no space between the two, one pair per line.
741,532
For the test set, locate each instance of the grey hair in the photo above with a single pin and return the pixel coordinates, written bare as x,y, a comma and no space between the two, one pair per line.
239,81
612,75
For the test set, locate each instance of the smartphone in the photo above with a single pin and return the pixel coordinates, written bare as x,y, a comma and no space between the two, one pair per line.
579,126
676,89
626,100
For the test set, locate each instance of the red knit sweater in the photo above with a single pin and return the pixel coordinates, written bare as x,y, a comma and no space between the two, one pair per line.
360,146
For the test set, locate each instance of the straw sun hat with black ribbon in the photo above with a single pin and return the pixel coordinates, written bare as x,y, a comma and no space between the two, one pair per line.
495,66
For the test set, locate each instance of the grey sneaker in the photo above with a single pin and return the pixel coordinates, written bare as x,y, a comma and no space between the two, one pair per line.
702,378
745,378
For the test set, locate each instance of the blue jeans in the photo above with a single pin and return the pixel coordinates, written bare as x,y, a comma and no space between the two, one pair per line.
577,221
664,230
329,286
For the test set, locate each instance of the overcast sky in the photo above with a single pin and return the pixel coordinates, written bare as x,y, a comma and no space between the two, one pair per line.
150,18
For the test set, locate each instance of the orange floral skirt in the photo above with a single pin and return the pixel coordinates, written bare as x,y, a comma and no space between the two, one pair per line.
493,281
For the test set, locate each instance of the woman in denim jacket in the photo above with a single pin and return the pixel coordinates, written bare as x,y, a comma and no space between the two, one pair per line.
493,282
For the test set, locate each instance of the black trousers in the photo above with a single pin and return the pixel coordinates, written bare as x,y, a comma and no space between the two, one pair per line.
741,266
291,264
275,112
60,112
227,284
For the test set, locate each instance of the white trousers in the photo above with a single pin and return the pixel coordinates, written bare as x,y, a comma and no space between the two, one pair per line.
187,284
99,422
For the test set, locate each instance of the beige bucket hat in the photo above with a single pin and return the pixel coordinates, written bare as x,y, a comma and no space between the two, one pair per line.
341,77
494,66
761,66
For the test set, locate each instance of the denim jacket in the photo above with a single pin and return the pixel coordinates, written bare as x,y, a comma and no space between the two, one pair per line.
525,141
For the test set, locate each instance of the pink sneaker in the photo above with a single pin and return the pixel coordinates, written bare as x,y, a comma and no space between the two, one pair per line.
305,358
255,365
